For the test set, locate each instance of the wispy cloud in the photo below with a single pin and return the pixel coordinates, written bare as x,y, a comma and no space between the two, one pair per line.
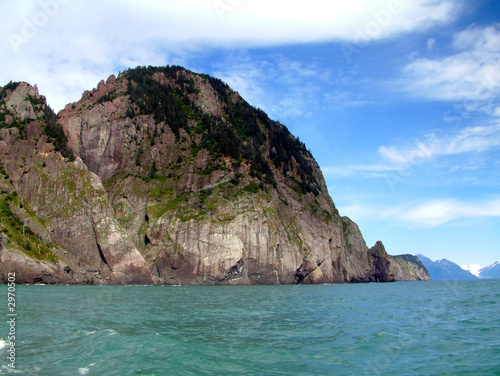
431,42
339,99
293,83
438,212
428,214
244,74
402,160
470,139
471,72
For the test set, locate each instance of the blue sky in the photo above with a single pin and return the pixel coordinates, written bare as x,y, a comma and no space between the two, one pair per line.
397,100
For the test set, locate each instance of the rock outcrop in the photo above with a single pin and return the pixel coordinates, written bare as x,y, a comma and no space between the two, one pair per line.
169,177
57,222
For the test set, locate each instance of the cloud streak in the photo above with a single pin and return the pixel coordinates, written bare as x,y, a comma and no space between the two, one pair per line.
428,214
293,83
438,212
469,140
471,73
400,161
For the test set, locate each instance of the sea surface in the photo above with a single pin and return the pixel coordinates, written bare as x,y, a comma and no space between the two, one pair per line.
406,328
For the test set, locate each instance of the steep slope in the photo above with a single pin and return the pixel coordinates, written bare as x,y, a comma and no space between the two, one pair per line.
56,221
441,270
408,267
210,188
177,180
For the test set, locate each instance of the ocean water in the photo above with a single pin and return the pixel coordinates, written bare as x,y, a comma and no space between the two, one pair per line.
411,328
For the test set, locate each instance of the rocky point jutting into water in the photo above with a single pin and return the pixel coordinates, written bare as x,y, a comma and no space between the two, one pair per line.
166,176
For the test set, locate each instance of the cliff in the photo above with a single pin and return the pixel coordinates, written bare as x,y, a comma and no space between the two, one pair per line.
166,176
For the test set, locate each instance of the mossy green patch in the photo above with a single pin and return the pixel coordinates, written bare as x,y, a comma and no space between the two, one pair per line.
158,210
161,193
21,235
32,215
346,232
191,214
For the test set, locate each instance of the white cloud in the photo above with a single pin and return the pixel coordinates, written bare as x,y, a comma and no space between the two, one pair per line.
471,139
471,74
439,212
432,213
355,20
67,46
402,161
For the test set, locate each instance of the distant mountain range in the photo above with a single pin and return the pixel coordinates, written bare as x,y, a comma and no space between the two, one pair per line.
447,270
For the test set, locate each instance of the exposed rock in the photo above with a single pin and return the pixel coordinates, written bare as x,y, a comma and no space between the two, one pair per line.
61,202
409,268
17,103
27,269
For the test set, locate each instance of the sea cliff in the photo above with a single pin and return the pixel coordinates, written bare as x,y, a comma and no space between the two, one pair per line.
166,176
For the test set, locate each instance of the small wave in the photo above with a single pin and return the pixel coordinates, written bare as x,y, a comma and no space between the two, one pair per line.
111,332
2,343
85,370
11,371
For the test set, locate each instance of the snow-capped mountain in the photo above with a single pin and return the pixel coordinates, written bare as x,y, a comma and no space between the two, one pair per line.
474,268
490,271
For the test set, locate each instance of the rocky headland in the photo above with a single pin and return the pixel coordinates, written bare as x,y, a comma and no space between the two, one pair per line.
165,176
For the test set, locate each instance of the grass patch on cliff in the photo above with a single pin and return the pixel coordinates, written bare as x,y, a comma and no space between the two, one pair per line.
347,233
21,235
161,208
182,207
161,193
191,214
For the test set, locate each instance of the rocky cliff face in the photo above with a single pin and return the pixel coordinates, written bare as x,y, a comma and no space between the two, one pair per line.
175,179
56,220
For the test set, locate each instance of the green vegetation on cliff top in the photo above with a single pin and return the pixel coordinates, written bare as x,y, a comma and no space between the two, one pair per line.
49,125
241,133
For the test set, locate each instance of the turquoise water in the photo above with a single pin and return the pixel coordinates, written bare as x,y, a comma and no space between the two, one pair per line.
414,328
